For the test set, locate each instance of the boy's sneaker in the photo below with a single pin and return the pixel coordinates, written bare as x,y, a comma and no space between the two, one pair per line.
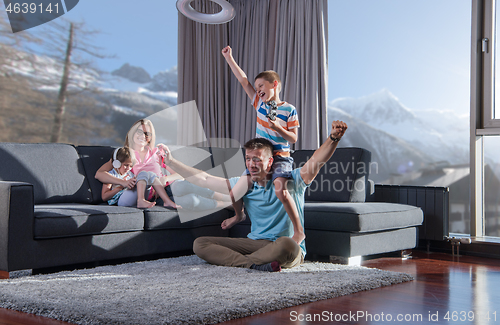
269,267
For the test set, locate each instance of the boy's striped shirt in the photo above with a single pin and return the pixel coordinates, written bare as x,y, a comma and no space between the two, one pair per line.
288,119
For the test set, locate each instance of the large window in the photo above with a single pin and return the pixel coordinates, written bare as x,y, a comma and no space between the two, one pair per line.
399,75
132,76
485,119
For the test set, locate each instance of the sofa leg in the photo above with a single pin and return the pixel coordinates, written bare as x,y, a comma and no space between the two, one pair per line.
406,254
353,260
4,275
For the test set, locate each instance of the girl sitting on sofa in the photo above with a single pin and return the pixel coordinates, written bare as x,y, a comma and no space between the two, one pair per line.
141,140
123,161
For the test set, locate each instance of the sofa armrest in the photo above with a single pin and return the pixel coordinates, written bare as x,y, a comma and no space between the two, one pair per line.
370,191
16,224
433,200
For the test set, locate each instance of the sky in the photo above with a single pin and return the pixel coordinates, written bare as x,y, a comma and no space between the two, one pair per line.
417,49
140,33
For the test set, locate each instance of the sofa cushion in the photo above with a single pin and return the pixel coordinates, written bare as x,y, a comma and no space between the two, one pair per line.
360,217
348,244
158,217
93,157
344,178
54,169
69,220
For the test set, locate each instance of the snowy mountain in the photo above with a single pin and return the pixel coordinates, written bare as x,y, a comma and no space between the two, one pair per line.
139,86
46,72
164,81
381,107
129,90
401,140
135,74
390,154
116,99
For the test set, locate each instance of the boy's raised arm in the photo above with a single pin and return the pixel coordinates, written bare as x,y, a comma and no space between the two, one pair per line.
227,52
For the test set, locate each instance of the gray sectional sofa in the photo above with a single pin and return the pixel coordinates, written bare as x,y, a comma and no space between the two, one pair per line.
51,212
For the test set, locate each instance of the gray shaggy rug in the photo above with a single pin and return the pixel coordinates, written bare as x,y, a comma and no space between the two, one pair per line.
182,290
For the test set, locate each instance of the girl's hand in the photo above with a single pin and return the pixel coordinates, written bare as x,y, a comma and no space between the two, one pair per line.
161,149
164,152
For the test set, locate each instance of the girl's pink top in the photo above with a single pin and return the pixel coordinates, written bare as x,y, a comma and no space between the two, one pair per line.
151,163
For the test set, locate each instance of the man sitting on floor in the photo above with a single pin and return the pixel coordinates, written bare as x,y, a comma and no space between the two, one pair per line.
269,245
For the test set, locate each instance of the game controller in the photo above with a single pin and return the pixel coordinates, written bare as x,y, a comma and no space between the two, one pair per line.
271,110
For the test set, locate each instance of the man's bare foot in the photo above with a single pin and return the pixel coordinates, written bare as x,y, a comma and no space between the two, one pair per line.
229,222
144,204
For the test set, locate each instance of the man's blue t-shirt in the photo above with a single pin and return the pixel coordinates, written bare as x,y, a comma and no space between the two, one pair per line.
267,214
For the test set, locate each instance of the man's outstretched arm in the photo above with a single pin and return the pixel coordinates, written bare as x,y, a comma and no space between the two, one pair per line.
323,153
196,176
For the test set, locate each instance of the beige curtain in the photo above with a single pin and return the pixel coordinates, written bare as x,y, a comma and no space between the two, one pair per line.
300,58
202,77
289,37
251,36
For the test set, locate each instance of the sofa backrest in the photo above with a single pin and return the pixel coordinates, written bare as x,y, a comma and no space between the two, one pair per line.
54,169
223,162
61,173
197,157
92,158
232,161
344,178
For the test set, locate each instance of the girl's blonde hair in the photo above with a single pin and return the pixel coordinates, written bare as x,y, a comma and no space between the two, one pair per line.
140,124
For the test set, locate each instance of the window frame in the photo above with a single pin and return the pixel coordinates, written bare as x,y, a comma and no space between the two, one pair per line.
482,123
490,125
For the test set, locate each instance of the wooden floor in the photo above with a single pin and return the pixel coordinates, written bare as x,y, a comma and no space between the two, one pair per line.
447,289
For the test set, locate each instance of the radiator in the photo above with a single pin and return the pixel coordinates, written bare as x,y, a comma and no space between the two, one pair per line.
434,202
